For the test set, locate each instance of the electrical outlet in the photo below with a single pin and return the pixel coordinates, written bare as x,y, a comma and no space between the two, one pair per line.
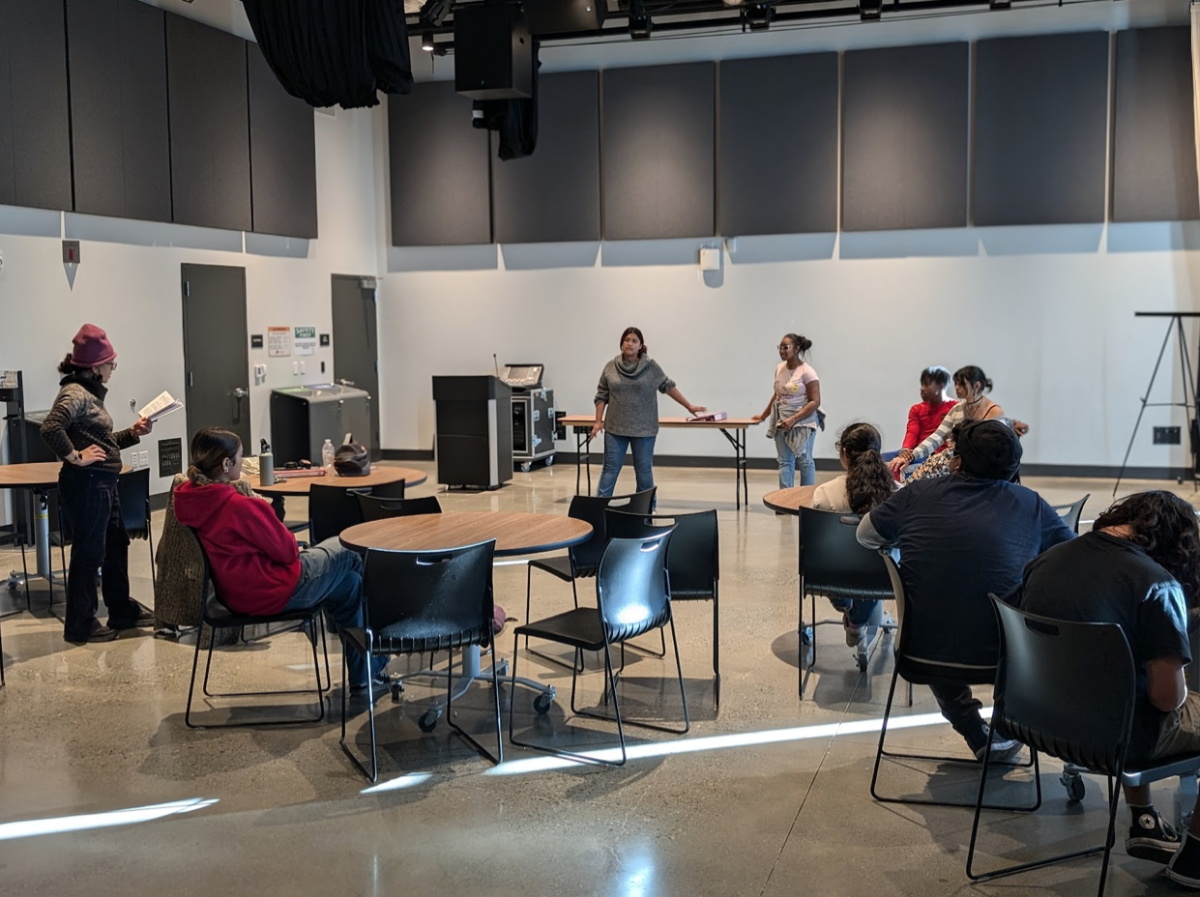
1166,436
143,460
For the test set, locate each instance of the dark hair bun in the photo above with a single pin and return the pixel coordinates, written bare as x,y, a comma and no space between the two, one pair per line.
804,344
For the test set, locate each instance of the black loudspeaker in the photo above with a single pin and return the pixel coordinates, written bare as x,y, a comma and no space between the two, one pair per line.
565,16
493,53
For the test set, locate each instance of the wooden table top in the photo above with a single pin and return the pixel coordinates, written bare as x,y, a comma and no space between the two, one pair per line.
790,501
34,475
378,476
515,533
732,423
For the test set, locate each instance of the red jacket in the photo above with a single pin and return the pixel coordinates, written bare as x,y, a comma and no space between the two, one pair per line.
923,419
255,559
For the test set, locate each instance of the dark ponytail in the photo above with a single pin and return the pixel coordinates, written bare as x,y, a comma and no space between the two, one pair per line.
210,447
868,481
972,374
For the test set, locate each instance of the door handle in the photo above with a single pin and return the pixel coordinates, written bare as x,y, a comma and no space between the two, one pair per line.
240,393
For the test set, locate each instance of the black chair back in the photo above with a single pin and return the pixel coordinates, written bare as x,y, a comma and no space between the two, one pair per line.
133,491
1070,513
331,509
585,557
632,590
833,563
638,503
693,560
393,491
373,507
418,601
1066,687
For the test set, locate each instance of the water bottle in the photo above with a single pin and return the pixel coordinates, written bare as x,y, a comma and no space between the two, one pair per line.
266,465
327,453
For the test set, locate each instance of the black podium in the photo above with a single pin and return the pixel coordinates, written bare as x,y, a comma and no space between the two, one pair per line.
474,431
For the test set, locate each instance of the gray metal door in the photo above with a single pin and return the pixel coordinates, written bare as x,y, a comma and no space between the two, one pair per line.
355,348
216,350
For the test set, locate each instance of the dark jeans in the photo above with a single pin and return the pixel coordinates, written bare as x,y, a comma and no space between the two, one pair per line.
961,708
93,512
857,612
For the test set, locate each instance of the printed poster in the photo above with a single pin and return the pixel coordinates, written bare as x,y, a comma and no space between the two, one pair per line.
279,342
305,341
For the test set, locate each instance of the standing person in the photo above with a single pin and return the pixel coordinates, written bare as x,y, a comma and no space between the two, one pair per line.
255,560
79,430
628,389
793,411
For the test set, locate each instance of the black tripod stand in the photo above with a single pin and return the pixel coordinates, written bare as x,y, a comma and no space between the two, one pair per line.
1190,403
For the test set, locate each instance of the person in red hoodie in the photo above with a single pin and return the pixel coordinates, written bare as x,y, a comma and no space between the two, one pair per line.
256,563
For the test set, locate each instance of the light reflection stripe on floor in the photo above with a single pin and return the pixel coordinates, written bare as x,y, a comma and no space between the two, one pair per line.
130,816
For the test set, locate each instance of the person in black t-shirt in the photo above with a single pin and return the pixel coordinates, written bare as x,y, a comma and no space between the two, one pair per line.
961,537
1139,567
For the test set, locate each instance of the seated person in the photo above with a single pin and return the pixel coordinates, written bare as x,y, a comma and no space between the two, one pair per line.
1139,567
960,537
256,564
866,483
926,416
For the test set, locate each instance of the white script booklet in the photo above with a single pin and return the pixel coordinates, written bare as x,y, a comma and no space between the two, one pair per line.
160,407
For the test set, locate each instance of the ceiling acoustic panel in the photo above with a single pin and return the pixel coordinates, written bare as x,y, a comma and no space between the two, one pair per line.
1041,130
553,196
658,152
283,155
439,169
119,131
1154,139
904,144
210,131
35,140
777,171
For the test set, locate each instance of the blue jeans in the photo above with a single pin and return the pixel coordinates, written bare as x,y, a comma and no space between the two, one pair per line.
614,458
789,461
331,576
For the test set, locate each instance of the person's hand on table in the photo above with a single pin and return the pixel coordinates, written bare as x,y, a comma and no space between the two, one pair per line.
758,418
696,409
89,455
143,427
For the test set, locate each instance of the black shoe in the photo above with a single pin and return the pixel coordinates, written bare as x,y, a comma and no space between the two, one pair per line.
99,633
1004,750
1184,868
380,682
145,617
1152,838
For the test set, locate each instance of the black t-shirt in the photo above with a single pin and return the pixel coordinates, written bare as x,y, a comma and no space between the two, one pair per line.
961,537
1100,578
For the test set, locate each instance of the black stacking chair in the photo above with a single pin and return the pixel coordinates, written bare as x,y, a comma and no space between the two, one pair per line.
216,615
393,491
1070,513
373,507
633,597
582,560
1,657
920,660
834,565
418,601
693,562
133,491
331,509
1068,689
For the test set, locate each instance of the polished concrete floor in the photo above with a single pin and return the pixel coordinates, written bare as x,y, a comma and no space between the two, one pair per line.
104,791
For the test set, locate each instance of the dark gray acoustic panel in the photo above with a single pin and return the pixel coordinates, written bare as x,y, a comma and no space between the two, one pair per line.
439,168
554,195
283,155
119,132
1154,139
1041,109
658,154
35,141
777,171
904,137
210,131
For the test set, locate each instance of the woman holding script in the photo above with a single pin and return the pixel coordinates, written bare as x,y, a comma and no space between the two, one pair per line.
79,430
628,389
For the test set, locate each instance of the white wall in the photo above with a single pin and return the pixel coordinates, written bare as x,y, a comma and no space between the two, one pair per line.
1047,312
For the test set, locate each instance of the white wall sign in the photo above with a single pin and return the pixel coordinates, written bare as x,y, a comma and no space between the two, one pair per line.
305,341
279,341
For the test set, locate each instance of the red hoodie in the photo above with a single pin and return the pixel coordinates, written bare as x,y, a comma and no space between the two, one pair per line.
255,559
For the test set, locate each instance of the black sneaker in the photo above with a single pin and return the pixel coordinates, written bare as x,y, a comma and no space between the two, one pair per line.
1003,749
1152,838
99,633
1184,868
145,617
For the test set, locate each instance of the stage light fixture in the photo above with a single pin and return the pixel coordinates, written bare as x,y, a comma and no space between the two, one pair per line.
759,16
640,23
434,12
427,42
870,10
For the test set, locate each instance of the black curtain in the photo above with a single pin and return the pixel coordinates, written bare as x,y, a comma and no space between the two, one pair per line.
334,52
514,121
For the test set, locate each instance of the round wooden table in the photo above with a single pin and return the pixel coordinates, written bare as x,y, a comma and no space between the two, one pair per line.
790,501
514,532
379,476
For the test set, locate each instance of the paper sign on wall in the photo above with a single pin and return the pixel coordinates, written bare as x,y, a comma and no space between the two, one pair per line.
279,341
306,340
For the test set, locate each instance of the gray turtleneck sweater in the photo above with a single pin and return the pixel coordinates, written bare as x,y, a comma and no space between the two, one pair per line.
631,393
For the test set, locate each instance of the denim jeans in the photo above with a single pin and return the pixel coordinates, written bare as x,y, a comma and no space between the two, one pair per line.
331,576
790,461
857,612
614,458
93,513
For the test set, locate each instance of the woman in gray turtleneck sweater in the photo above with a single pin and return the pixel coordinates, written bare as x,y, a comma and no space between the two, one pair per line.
629,387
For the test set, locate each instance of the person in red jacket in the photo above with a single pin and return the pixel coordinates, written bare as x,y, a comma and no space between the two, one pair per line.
256,563
926,416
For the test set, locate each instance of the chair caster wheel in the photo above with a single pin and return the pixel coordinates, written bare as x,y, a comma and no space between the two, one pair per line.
1076,787
397,689
861,660
429,720
542,704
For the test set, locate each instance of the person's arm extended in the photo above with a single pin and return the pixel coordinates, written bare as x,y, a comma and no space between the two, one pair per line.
674,393
813,391
1166,686
601,400
767,412
599,424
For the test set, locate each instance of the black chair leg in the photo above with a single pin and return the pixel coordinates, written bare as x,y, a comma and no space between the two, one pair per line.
497,757
577,663
373,775
716,648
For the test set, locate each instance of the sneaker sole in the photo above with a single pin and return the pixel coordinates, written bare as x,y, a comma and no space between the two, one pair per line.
1180,879
1154,851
